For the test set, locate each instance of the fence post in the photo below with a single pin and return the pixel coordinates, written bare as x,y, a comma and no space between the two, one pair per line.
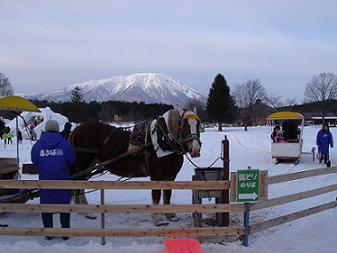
246,224
102,216
225,158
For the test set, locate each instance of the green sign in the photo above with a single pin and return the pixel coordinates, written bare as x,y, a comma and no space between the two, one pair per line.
248,185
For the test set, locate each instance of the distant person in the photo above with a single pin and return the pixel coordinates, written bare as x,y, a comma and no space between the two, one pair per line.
323,140
52,155
33,135
66,130
4,137
9,137
19,137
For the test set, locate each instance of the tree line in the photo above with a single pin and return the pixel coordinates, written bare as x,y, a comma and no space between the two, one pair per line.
108,111
249,99
248,102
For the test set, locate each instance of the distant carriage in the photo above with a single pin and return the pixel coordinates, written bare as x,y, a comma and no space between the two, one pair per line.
291,124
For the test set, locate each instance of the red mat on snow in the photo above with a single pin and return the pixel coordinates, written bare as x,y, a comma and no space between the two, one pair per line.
182,246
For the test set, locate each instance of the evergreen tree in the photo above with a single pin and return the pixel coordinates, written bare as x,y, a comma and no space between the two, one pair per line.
220,104
76,95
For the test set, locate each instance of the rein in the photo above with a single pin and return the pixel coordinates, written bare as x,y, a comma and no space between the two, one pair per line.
99,167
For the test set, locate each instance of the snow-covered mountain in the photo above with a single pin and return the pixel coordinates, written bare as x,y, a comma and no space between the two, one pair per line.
146,87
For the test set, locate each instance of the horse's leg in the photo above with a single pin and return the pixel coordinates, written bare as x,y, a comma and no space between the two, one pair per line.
83,161
158,218
82,199
167,201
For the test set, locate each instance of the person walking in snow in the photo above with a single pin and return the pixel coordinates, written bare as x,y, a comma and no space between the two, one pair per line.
52,155
323,140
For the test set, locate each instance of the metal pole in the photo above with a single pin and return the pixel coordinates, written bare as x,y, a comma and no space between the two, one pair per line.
246,224
17,141
225,158
102,216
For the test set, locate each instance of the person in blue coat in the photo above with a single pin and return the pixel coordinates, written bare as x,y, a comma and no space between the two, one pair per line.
323,140
53,155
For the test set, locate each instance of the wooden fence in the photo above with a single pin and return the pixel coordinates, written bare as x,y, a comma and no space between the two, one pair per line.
295,197
188,208
102,208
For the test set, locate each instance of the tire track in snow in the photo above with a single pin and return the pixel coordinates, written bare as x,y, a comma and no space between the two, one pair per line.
249,147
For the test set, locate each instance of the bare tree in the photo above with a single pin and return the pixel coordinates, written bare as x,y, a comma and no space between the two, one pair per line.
6,88
291,102
197,106
321,88
274,101
246,96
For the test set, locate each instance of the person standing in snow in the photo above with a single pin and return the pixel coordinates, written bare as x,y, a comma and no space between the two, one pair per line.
66,130
19,137
9,137
323,140
52,155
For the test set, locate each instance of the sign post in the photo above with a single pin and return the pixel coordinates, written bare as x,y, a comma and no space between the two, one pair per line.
248,185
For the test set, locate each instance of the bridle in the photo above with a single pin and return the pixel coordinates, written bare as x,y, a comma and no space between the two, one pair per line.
184,132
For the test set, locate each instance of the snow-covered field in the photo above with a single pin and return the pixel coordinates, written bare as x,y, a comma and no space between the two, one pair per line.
316,233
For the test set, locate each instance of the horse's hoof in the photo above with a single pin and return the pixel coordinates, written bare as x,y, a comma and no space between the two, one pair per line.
172,217
159,220
90,216
160,223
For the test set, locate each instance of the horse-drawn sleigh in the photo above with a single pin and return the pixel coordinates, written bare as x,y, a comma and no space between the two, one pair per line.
154,149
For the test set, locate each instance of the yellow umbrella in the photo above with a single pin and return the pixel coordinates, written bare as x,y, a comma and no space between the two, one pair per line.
17,104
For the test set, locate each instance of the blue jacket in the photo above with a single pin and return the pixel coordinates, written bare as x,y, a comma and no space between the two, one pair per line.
323,140
52,155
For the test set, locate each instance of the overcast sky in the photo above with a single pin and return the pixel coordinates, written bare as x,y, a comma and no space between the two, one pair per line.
46,45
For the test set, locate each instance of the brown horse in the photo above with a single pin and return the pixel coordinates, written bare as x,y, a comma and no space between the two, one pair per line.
99,142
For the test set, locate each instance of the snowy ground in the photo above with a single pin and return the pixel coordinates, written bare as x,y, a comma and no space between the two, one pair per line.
315,233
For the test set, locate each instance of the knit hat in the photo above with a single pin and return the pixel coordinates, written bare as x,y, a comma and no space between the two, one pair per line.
52,125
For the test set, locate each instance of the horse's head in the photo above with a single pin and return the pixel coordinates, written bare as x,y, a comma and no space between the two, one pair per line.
190,133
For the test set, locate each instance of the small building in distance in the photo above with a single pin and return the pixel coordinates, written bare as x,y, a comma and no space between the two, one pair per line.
331,120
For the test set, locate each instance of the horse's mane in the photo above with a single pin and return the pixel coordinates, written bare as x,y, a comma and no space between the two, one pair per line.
173,122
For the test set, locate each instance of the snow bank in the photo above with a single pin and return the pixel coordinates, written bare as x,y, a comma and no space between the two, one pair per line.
29,117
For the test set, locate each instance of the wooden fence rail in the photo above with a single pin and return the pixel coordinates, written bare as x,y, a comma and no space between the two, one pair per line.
176,232
200,208
290,217
294,197
115,185
300,175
